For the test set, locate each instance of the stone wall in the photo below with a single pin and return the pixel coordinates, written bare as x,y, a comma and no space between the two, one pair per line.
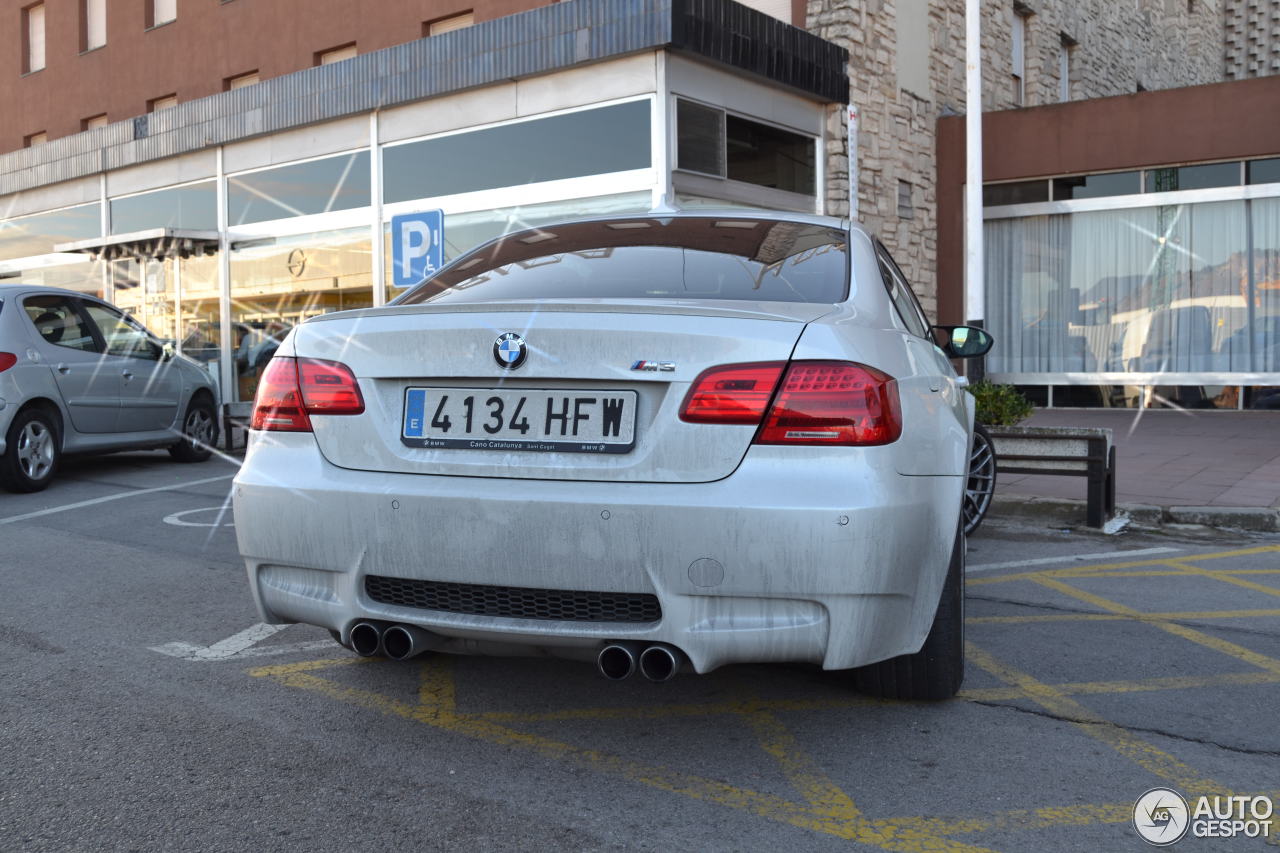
1119,45
1252,38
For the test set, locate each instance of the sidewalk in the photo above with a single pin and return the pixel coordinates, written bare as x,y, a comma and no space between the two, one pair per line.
1169,458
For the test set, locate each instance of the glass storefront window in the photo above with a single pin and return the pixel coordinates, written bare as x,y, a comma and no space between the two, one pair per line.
769,156
1097,186
572,145
1193,177
1263,171
26,236
278,283
1018,192
1147,290
83,275
193,207
464,231
301,189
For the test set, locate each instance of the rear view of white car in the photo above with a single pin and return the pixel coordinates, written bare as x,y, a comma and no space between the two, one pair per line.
653,442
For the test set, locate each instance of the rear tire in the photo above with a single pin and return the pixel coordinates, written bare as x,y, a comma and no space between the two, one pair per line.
33,447
937,670
199,432
980,485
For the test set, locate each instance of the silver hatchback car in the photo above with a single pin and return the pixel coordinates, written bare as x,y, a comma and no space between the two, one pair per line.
653,442
79,376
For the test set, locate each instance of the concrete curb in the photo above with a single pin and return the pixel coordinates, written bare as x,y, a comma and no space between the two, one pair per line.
1072,513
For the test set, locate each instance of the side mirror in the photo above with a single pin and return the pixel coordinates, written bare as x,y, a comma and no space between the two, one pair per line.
962,341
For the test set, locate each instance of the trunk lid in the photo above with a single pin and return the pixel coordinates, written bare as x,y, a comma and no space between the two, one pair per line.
576,351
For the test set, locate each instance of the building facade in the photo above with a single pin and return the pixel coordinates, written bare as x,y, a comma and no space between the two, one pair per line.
222,221
907,70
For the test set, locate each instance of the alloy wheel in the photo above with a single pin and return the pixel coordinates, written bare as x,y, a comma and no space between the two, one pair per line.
35,450
981,482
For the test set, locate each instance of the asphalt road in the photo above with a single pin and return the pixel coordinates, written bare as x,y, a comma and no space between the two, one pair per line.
144,709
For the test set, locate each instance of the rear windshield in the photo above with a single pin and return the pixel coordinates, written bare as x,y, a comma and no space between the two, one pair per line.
681,258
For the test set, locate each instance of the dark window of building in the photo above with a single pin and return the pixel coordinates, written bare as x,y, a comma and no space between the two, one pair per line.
1018,53
1018,192
1263,171
906,210
93,122
1097,186
682,258
194,207
160,12
768,156
587,142
1193,177
700,138
302,189
34,139
240,81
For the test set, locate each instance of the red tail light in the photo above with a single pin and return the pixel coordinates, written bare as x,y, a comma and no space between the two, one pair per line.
732,394
833,402
292,389
7,360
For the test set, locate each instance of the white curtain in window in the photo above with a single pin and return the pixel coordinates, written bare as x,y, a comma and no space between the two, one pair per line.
1265,338
1149,290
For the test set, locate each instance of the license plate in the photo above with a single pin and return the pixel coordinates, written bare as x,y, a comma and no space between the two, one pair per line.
574,421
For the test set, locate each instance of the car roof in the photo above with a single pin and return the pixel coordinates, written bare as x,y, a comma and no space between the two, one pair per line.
19,288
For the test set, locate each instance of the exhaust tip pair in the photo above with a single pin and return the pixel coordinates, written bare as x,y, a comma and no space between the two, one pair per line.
657,662
398,642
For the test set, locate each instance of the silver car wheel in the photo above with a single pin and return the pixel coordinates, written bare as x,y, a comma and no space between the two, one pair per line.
35,450
981,482
198,429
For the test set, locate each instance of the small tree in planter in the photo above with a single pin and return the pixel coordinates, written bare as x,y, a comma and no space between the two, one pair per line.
997,405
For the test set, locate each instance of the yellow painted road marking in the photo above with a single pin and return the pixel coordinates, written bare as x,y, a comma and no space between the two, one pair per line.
1176,615
1146,756
1226,647
1226,578
1109,567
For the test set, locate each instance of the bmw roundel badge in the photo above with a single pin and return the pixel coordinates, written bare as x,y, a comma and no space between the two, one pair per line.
509,350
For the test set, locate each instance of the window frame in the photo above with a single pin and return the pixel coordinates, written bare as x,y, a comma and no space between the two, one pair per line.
896,279
72,303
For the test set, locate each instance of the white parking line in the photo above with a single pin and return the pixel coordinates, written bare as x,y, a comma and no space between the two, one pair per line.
223,649
1071,558
56,509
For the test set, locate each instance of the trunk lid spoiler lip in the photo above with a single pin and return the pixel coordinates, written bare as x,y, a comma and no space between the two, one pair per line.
793,312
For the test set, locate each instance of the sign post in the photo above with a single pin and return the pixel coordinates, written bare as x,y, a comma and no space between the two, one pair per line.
417,246
852,122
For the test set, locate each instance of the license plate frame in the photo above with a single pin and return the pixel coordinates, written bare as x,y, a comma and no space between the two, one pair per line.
424,404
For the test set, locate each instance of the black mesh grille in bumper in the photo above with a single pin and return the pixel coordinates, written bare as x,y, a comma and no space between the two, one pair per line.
514,602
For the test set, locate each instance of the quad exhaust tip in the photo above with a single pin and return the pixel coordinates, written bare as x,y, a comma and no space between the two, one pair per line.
366,639
616,661
401,642
659,662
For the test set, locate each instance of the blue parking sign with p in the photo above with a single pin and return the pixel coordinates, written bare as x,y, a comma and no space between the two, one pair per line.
417,246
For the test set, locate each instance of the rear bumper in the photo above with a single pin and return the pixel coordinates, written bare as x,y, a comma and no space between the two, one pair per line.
789,559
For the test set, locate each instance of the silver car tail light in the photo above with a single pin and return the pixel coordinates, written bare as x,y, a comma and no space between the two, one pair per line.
833,402
293,389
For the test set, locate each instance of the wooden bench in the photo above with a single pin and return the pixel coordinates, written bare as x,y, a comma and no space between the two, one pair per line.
235,415
1066,452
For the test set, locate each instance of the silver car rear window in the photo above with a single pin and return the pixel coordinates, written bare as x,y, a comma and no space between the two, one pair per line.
679,258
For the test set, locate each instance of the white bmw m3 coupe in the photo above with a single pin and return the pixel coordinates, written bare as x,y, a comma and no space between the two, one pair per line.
655,442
